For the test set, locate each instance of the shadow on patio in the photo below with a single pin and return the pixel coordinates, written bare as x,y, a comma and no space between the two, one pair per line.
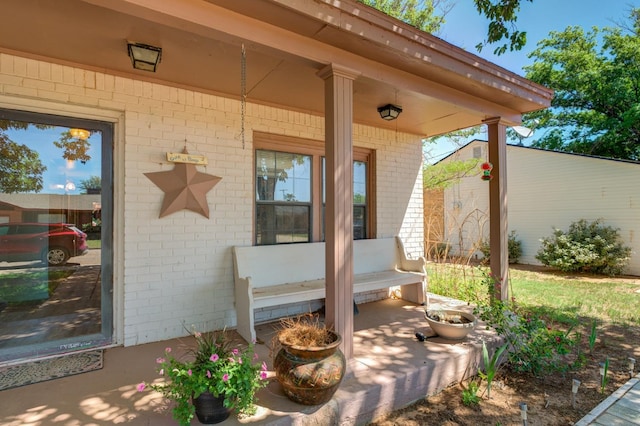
390,369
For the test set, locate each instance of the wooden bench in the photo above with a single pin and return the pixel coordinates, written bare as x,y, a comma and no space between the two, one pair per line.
267,276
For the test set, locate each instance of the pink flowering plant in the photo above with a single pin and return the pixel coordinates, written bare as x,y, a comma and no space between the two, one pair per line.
214,366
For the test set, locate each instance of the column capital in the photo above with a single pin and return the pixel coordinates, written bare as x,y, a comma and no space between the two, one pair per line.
499,120
332,70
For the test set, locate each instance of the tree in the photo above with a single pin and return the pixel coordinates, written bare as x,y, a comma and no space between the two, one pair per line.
421,14
75,148
93,185
444,175
502,15
20,167
596,79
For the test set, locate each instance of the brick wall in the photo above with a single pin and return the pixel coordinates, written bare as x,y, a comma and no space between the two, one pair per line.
176,272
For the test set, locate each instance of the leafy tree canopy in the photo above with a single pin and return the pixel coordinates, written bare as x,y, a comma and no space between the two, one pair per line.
74,148
429,15
20,167
94,183
596,79
445,174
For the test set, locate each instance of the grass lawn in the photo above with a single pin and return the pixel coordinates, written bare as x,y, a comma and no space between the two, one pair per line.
568,298
563,298
94,244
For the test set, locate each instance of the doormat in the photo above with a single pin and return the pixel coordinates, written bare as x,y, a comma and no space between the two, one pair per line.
48,369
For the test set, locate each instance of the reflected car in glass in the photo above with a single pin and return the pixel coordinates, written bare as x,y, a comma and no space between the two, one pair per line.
50,243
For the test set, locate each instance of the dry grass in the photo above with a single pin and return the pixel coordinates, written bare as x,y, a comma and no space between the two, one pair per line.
304,330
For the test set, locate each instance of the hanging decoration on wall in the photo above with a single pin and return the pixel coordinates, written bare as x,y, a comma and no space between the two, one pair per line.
486,171
185,188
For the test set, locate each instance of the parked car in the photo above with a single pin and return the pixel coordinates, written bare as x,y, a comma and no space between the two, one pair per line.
51,243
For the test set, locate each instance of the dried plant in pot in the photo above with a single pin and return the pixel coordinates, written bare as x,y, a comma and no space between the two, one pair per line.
450,323
309,363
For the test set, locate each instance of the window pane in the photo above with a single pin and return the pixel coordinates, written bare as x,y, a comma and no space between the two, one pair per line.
359,182
359,199
359,223
278,224
283,177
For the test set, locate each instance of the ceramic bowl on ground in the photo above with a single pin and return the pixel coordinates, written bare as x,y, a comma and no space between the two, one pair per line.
450,323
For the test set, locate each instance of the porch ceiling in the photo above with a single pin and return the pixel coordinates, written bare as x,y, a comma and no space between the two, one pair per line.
440,87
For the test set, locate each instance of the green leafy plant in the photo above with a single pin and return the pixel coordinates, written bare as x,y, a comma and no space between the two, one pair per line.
470,394
585,247
514,247
490,365
536,347
592,337
604,379
212,366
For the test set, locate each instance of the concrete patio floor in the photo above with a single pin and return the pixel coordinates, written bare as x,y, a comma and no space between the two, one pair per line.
389,370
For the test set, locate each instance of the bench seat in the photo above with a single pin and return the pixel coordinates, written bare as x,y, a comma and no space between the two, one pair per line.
267,276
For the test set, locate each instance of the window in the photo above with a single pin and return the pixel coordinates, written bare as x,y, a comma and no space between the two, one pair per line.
283,197
290,190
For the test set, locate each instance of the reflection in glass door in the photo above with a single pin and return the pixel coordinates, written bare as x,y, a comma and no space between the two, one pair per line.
55,234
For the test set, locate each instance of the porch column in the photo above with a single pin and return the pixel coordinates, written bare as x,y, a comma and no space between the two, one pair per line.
338,99
498,226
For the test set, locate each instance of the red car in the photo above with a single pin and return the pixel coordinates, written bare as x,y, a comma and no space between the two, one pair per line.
51,243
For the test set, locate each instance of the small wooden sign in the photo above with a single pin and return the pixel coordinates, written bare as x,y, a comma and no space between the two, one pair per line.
179,157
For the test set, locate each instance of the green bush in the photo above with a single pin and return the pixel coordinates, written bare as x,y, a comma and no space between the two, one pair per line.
534,346
586,247
514,247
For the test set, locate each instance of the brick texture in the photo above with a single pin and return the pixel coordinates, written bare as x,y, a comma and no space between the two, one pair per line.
176,273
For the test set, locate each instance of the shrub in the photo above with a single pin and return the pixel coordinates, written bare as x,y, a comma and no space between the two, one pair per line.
534,346
586,247
514,246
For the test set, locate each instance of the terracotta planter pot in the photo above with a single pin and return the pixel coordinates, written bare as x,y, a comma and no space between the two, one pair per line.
310,375
210,409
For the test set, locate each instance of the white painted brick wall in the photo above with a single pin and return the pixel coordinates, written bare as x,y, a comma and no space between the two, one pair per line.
176,271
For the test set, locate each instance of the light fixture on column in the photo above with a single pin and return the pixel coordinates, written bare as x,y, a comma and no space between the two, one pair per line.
144,57
389,112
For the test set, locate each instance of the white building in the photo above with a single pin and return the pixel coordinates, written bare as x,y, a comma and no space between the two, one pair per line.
545,190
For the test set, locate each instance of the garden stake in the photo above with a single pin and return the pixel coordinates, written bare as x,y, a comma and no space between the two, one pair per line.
604,367
574,392
523,413
632,364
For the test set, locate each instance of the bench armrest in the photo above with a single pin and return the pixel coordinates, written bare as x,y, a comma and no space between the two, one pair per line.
411,265
414,265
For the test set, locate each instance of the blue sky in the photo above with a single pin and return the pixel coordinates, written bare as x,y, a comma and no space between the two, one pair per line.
61,176
465,28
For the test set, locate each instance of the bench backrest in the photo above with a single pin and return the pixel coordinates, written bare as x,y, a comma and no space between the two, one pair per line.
287,263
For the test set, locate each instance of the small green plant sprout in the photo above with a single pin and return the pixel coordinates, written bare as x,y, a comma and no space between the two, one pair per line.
470,394
604,369
593,336
490,365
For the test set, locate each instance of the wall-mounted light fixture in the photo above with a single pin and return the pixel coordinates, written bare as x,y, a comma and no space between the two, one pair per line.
389,112
82,134
144,57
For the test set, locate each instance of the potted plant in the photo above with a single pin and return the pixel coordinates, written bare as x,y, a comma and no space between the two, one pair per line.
309,364
450,323
213,372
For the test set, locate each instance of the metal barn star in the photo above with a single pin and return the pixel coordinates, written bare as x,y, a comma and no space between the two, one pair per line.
184,188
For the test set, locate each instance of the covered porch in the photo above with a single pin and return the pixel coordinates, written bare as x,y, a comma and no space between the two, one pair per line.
389,369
